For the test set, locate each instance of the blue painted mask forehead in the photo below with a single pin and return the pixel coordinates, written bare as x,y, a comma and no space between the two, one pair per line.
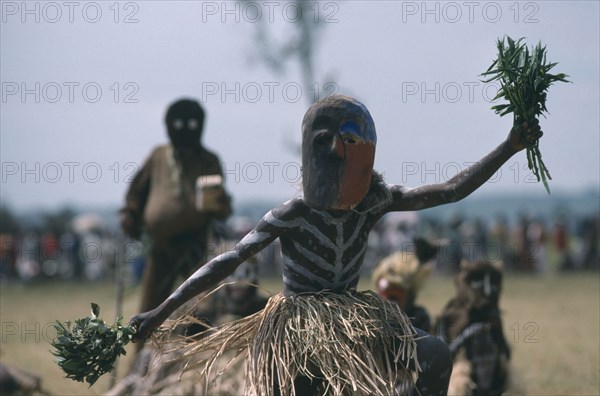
353,128
352,115
358,122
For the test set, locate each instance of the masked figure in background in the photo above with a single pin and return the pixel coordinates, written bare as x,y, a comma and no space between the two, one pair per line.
321,335
400,276
174,197
471,324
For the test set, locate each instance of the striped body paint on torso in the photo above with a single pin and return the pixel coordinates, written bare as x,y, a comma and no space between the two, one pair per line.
321,250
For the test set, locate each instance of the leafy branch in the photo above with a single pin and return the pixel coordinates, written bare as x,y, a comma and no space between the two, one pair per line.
524,81
89,348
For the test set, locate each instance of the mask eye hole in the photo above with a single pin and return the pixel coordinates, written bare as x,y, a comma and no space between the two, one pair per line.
321,138
192,124
349,140
178,124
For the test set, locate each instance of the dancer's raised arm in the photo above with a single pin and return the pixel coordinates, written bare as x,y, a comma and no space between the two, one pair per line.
468,180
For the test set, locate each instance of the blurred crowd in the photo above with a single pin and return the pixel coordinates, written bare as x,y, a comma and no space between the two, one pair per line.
77,247
87,247
525,243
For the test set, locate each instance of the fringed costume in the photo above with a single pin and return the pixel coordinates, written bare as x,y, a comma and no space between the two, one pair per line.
342,343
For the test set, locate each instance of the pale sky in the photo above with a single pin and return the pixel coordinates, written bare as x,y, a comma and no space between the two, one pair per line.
85,86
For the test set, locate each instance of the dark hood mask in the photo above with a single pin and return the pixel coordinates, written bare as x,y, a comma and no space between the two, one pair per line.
185,120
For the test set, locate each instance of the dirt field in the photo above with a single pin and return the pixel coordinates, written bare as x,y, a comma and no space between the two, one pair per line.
552,323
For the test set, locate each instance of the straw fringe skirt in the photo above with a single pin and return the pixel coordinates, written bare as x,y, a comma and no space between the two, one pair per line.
354,343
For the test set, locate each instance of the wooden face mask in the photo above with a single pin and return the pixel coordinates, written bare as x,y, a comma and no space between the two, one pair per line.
338,151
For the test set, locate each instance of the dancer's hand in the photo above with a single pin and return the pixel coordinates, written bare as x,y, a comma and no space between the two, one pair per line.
524,134
145,323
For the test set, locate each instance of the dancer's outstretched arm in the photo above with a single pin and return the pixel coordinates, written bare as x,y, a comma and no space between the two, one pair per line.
211,273
468,180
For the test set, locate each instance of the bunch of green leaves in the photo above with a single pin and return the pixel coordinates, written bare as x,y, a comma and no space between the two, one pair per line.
524,79
89,347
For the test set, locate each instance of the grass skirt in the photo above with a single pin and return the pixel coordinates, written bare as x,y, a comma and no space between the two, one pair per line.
355,343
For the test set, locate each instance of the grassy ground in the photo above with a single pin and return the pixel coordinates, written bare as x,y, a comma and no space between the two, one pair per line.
552,323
